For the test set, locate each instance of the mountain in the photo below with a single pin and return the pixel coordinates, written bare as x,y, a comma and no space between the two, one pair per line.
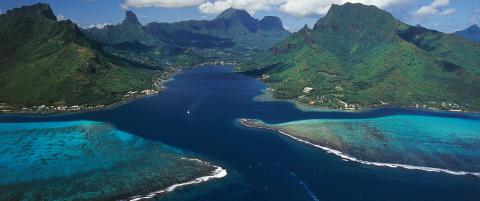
236,25
471,33
233,35
129,30
45,61
155,46
361,56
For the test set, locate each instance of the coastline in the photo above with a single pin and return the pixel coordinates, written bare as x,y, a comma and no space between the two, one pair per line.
76,108
345,157
158,86
218,173
268,96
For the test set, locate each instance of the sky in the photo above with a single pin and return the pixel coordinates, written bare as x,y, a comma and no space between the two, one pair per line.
442,15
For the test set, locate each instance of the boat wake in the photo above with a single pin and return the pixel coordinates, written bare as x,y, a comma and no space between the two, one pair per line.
347,157
219,172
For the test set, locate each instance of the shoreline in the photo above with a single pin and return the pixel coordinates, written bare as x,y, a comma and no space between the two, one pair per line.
345,157
159,87
82,109
218,173
305,107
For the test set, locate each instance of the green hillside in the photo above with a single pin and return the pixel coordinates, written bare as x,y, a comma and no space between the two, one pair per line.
233,24
232,36
43,61
360,56
129,29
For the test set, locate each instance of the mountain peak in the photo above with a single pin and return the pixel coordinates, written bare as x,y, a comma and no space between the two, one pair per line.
271,23
130,17
304,28
355,17
357,12
473,28
41,9
471,33
236,17
234,13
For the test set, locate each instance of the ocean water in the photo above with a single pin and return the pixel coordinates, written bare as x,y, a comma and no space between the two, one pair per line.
263,165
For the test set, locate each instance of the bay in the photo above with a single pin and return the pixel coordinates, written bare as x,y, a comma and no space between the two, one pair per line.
263,165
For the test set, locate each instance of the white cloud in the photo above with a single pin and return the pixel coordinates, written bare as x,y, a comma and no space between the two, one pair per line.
320,7
306,7
217,6
435,8
160,3
98,26
60,17
448,11
475,20
297,8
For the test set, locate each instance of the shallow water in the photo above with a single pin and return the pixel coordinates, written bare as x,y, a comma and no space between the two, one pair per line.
263,165
85,160
438,142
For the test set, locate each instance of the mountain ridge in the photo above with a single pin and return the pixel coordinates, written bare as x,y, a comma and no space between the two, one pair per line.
234,24
129,30
57,62
471,33
360,56
233,34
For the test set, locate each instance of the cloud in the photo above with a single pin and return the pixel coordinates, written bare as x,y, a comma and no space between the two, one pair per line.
160,3
435,8
98,26
61,17
448,11
475,18
297,8
217,6
301,8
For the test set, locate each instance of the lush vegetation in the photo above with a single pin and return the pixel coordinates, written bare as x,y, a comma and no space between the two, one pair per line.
360,56
237,25
43,61
233,35
48,62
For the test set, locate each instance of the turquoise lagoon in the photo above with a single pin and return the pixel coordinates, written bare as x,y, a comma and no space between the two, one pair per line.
423,141
86,160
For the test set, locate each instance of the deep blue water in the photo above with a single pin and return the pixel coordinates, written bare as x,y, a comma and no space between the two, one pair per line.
263,165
